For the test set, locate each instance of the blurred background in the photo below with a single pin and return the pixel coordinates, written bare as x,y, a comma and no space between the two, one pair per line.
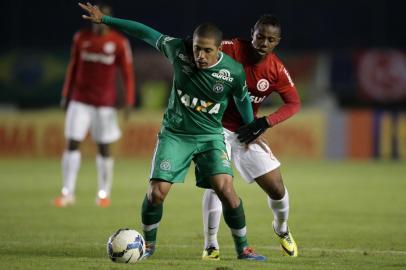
347,59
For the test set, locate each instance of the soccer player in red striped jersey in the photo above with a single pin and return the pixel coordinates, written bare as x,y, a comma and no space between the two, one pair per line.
251,156
89,95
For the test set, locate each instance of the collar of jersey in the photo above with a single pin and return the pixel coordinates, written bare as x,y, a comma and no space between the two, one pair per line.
215,64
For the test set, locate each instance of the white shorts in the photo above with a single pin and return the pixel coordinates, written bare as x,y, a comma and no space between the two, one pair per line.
250,162
102,122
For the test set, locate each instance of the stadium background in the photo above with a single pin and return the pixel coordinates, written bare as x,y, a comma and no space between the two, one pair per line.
348,61
346,58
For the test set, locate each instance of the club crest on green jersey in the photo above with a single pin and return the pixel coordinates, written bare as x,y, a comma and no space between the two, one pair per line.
165,165
218,88
198,104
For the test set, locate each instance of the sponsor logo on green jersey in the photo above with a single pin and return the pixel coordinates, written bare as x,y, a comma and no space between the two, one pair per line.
223,74
198,104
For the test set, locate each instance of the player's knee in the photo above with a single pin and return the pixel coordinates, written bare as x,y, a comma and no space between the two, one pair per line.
228,196
278,189
156,196
272,184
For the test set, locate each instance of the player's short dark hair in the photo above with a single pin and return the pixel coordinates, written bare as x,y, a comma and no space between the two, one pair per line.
268,19
209,30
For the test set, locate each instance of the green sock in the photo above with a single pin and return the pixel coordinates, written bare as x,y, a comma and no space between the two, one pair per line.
150,236
235,219
240,242
151,215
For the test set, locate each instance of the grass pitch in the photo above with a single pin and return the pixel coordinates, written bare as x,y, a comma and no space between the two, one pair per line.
344,215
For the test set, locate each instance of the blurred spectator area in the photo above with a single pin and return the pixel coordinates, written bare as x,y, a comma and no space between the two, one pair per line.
348,79
354,104
347,59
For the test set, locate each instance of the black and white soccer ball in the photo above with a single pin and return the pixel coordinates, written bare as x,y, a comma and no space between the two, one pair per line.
126,246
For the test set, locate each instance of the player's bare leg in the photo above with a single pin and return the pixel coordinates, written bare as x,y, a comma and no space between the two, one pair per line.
234,216
104,164
278,201
272,184
151,212
70,167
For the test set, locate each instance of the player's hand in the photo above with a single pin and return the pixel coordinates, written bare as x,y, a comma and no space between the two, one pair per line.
248,133
94,13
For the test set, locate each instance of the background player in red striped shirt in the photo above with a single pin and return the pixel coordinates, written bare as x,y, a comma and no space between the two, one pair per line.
90,96
265,74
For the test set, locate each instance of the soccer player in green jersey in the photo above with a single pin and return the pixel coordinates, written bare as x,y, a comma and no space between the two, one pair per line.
204,79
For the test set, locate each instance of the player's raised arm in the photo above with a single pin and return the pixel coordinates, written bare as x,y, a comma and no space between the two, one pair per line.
139,30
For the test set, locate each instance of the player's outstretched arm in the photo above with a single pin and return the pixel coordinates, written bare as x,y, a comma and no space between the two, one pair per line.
139,30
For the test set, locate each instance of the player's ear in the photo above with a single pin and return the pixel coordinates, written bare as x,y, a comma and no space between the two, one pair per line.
252,32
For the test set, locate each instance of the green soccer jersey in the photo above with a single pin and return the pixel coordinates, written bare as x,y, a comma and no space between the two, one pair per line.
198,97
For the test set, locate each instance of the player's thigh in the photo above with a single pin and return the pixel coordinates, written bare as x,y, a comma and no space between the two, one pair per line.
104,127
211,160
253,160
171,159
77,121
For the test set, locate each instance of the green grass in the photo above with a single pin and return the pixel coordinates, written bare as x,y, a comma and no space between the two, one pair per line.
344,215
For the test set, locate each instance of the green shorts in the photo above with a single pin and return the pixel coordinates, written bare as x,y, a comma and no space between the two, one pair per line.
174,153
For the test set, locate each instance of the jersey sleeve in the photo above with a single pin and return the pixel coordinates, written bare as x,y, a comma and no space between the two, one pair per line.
133,28
242,99
72,67
127,69
165,44
169,46
287,91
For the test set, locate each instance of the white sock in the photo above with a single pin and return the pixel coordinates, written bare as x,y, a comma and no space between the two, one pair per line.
70,168
148,228
280,209
104,175
212,211
239,232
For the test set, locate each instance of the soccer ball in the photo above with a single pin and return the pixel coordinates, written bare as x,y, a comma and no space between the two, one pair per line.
126,246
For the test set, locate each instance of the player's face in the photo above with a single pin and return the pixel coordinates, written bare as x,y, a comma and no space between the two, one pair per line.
265,38
205,51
